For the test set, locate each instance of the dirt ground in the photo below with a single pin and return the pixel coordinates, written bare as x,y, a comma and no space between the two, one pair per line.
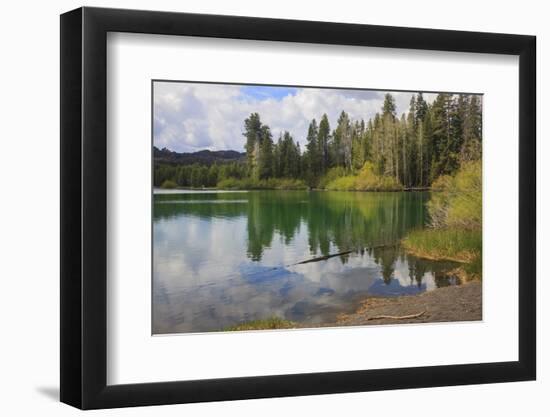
454,303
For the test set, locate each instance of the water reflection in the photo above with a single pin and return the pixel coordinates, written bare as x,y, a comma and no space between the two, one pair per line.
223,258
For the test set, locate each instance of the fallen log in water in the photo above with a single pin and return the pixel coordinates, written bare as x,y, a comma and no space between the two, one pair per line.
347,252
323,258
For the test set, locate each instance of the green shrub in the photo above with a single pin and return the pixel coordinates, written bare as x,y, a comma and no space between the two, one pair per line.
289,184
331,175
455,210
459,200
266,324
169,184
342,184
231,184
442,183
365,180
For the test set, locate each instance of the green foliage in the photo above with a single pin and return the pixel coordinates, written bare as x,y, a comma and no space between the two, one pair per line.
323,139
342,142
368,180
360,145
313,154
365,180
168,184
267,184
442,183
265,159
163,173
196,175
346,183
458,203
331,175
388,108
474,268
271,323
287,184
289,157
456,217
253,134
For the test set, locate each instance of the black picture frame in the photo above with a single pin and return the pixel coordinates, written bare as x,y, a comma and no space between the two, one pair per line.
84,207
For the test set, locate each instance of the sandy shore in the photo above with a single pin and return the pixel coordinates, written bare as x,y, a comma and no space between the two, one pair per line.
456,303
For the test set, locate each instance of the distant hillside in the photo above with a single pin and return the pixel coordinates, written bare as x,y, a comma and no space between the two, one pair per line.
205,157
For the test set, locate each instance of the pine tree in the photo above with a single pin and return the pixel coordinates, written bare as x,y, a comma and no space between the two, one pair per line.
413,167
265,160
389,141
253,133
290,157
313,155
427,141
421,149
277,167
389,106
421,108
358,145
343,141
323,139
441,136
377,145
297,172
471,148
403,137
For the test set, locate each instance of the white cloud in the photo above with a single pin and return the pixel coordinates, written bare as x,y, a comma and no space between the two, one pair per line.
191,116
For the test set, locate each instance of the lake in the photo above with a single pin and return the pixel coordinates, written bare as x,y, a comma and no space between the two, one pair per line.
223,258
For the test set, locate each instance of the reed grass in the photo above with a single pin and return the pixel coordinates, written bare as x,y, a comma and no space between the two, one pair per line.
271,323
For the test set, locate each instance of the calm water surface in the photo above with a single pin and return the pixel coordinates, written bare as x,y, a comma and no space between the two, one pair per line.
222,258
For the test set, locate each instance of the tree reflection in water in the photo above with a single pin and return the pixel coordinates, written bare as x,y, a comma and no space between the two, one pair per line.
220,258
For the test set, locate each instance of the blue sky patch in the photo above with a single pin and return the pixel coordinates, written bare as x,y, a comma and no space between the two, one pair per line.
260,92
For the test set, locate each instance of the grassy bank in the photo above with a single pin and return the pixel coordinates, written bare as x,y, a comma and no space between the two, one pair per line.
450,244
464,246
271,323
456,222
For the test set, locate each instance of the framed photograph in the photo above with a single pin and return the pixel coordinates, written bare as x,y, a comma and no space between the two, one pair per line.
256,208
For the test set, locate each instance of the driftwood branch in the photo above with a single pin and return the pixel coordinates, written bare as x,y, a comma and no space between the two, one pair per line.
410,316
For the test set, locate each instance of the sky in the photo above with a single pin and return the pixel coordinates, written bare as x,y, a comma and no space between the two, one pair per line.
189,117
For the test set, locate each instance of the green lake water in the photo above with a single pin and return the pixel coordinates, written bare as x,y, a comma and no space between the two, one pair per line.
222,258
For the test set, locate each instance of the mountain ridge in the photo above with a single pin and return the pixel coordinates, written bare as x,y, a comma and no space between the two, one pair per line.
205,157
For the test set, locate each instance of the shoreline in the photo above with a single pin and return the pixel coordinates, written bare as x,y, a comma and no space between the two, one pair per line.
448,304
457,303
407,190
